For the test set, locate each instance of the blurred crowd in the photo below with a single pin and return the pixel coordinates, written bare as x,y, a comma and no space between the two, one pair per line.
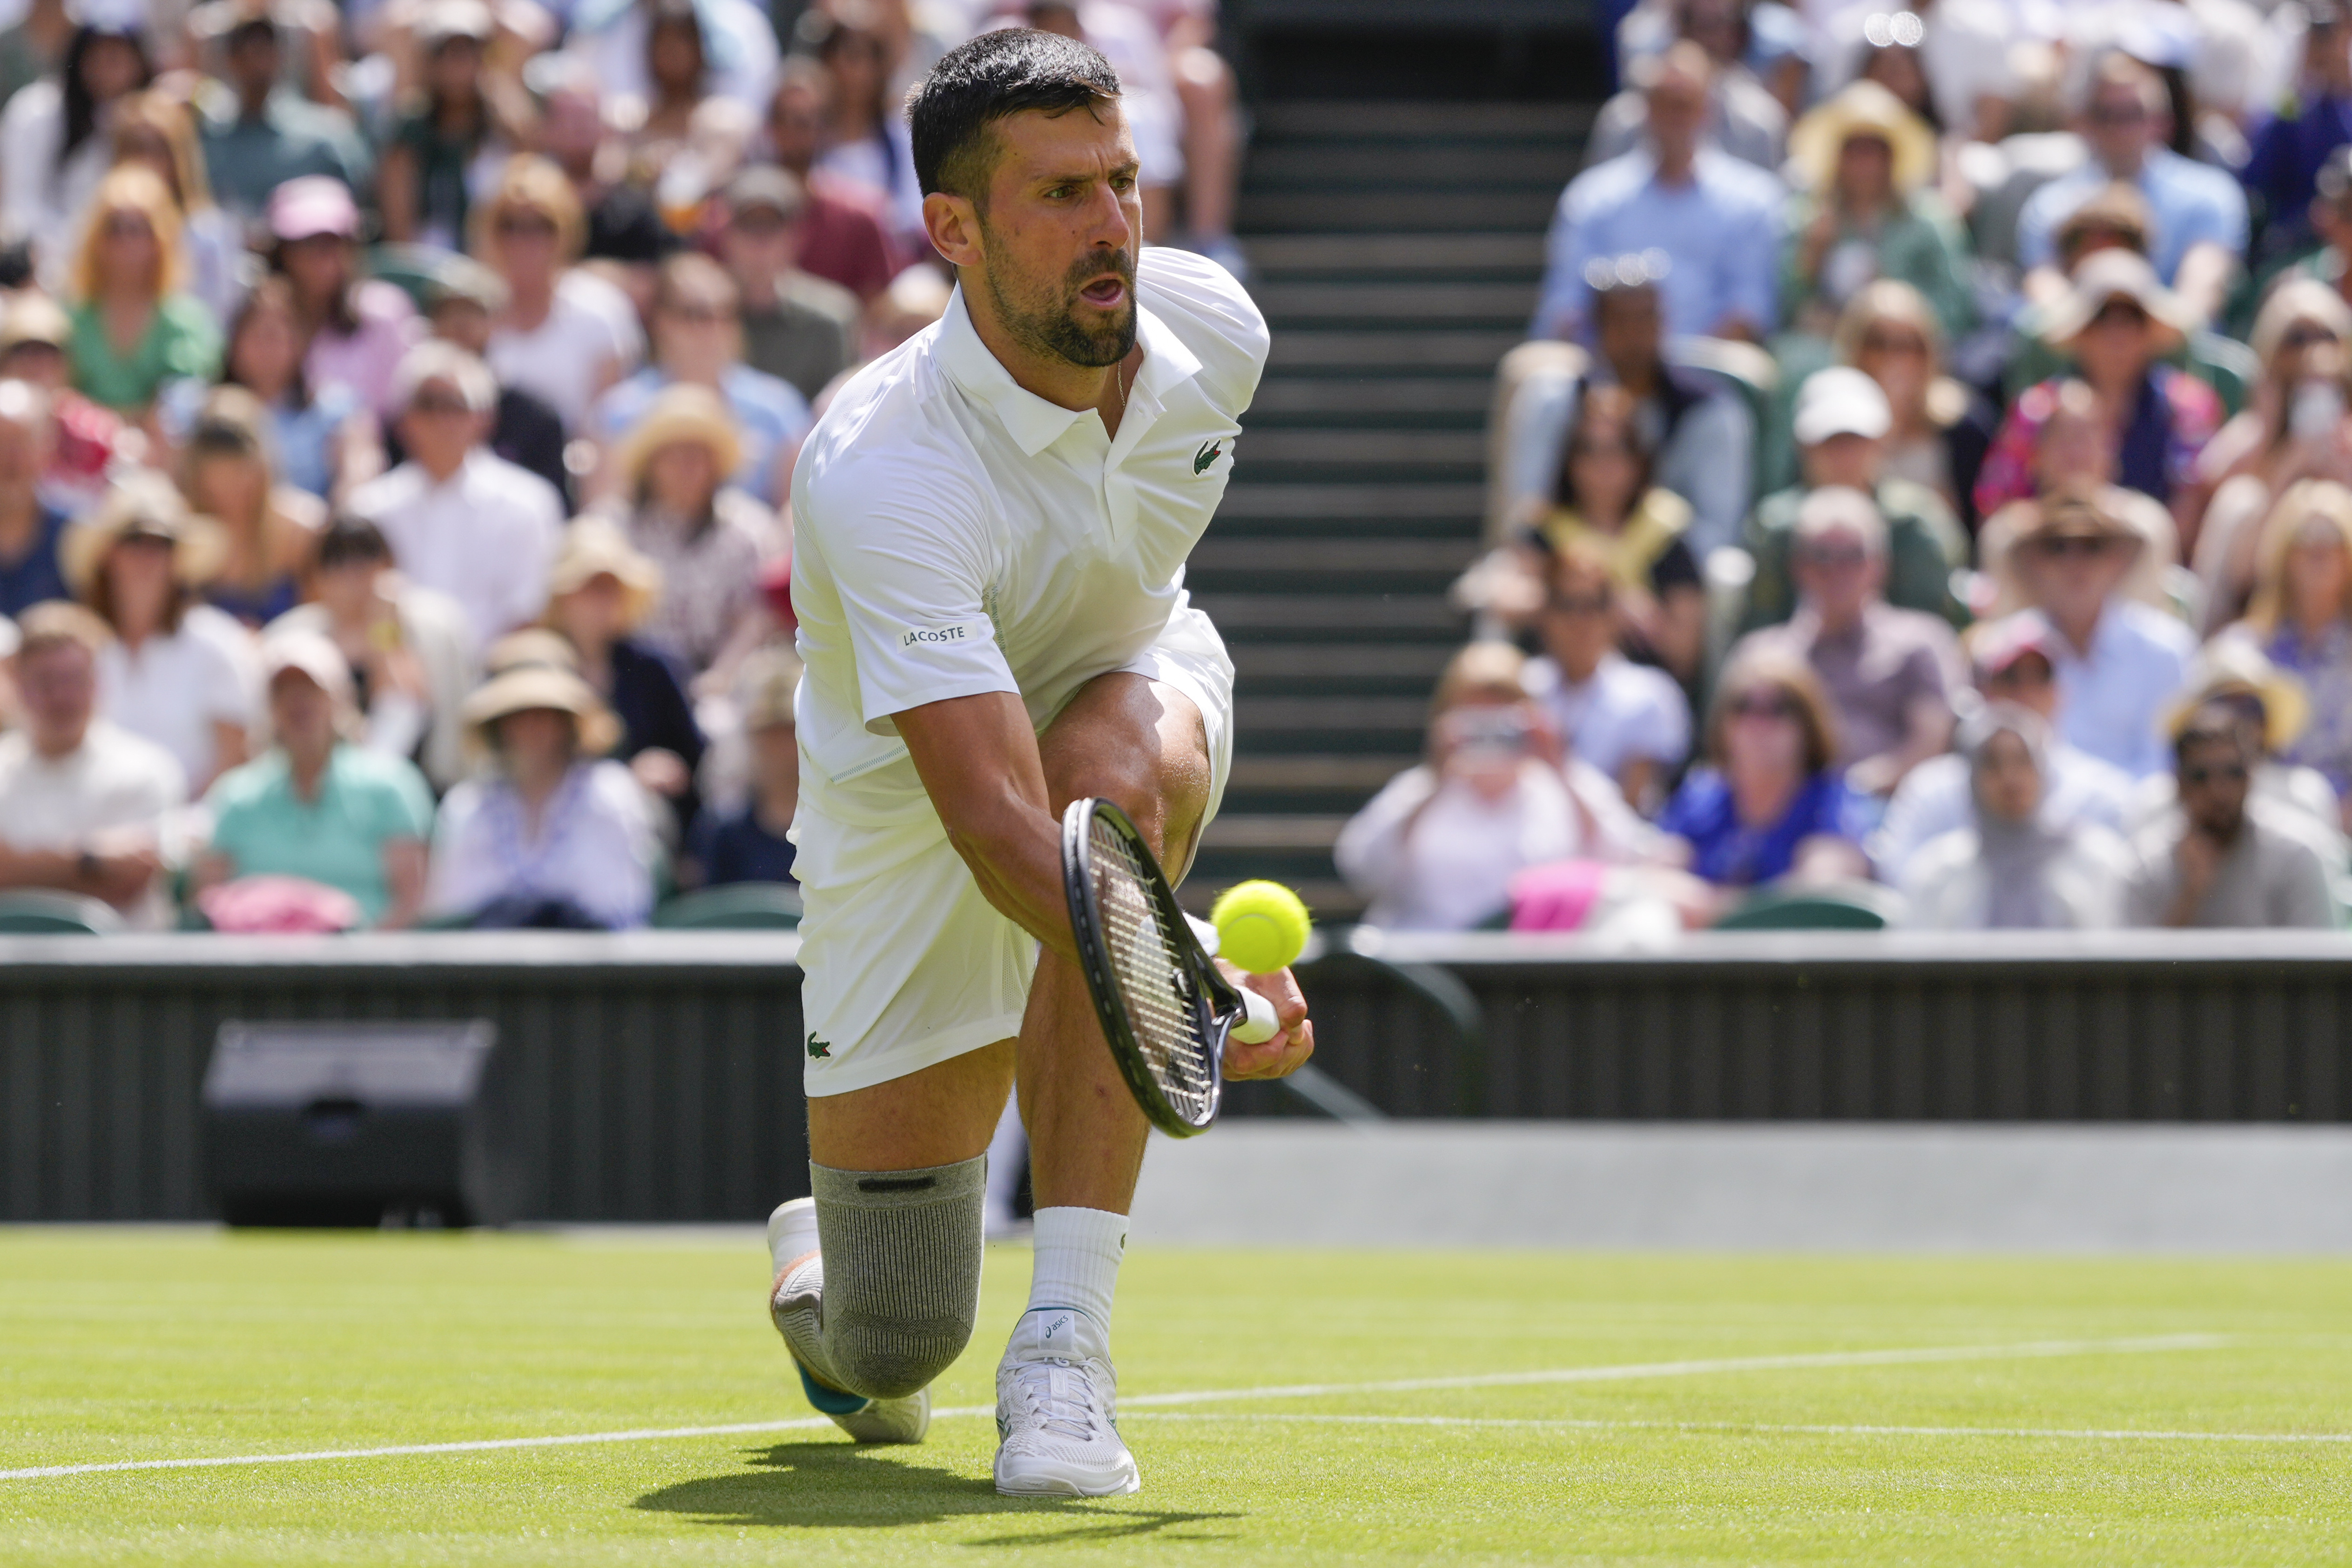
398,406
1926,491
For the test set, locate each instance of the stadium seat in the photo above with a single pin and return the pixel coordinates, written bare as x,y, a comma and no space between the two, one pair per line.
31,912
737,907
1853,908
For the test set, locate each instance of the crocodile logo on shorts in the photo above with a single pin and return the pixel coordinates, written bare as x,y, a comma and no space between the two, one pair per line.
817,1047
1208,453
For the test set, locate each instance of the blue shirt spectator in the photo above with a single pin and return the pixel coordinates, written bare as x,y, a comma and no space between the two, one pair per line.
2288,147
29,577
1705,224
1769,801
1730,853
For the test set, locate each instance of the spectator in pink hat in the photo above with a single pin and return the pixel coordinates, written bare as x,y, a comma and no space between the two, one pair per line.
358,327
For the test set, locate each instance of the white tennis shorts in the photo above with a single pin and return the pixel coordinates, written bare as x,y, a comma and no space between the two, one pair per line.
904,963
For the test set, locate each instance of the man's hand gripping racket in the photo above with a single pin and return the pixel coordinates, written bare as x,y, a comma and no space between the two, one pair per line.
1177,1025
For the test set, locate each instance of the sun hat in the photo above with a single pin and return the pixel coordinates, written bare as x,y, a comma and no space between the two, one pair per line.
143,505
311,205
680,412
34,318
1841,401
1863,109
2105,275
763,690
2233,666
521,687
595,547
442,20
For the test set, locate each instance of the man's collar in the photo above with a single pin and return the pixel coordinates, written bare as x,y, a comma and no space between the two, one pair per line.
1032,421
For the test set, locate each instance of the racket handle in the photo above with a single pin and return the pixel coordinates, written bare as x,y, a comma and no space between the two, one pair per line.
1260,1025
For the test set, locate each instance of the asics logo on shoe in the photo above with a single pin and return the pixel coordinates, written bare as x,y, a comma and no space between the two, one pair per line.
1054,1327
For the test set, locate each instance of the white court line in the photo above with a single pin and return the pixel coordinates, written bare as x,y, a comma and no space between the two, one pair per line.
2035,1348
1835,1431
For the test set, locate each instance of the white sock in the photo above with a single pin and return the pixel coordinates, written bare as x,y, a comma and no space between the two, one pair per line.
1077,1254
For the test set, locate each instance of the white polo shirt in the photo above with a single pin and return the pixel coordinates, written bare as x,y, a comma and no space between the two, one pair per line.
955,534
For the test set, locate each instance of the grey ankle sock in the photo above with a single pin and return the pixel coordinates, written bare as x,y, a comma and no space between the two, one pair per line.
902,1254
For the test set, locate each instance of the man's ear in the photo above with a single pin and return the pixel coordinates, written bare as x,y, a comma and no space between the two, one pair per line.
953,225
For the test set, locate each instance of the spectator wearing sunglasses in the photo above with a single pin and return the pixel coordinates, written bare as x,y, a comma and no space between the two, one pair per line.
2017,667
2119,661
1631,721
2225,859
2116,326
1770,804
1889,674
2201,212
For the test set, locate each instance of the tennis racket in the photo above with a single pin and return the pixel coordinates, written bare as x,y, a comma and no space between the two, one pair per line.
1165,1007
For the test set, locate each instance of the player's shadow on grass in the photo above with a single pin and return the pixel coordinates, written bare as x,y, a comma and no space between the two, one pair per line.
838,1486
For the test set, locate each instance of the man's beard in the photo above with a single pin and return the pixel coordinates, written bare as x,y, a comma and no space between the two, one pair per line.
1046,321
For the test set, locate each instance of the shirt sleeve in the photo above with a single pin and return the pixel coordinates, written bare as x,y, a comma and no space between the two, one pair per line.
1751,258
906,545
1566,250
2302,898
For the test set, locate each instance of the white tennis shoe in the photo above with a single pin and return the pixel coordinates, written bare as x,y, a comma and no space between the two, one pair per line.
795,1305
1057,1411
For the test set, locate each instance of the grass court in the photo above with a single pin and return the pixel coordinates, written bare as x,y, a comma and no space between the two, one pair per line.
1294,1408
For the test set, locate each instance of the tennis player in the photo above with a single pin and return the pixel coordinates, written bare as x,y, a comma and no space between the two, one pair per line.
992,524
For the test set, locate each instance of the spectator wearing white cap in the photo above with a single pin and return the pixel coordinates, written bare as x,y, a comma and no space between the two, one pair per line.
460,517
1890,673
85,805
1841,426
1716,220
2016,663
358,327
315,805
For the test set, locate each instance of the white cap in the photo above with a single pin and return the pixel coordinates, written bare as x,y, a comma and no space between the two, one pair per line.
314,656
1841,401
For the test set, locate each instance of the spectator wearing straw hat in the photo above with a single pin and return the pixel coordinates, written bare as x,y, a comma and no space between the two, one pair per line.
2115,323
460,519
708,539
1867,214
2226,858
600,592
698,335
316,806
553,834
750,845
177,671
85,805
2119,661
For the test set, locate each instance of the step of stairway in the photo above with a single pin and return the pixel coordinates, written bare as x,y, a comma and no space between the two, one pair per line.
1271,617
1434,165
1455,306
1285,668
1391,353
1423,122
1391,212
1341,454
1248,501
1228,564
1277,258
1327,400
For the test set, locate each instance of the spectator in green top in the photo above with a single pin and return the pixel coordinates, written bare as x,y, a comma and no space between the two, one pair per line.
316,806
1868,213
1843,423
134,331
423,180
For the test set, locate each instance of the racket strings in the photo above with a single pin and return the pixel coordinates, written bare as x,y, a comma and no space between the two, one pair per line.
1153,973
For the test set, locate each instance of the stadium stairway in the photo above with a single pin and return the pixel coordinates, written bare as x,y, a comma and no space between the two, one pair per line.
1397,248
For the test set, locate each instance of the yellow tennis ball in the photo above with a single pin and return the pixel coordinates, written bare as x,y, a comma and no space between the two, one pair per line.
1261,927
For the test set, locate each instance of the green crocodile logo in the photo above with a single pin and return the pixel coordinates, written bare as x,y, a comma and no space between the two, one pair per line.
817,1047
1208,453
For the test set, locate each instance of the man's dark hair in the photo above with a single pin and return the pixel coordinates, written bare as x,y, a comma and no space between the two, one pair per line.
348,539
2215,722
996,75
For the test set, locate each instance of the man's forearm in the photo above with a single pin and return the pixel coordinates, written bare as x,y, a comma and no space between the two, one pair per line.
1014,851
977,757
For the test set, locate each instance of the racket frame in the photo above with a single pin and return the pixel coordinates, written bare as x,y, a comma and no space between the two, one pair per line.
1216,1003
